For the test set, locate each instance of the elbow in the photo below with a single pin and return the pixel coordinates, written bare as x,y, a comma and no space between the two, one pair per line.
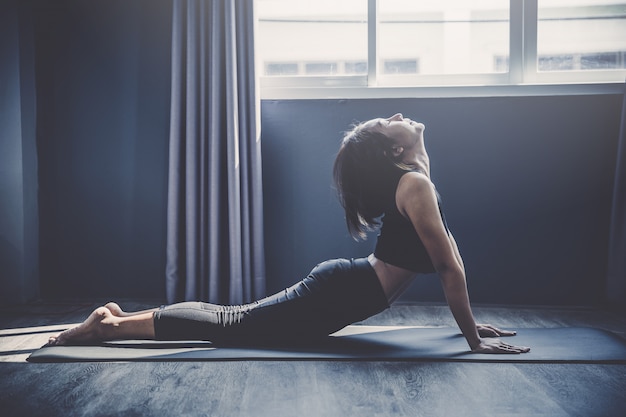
451,275
448,267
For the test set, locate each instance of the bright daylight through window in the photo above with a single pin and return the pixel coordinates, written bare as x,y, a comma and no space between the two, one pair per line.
304,37
581,35
378,43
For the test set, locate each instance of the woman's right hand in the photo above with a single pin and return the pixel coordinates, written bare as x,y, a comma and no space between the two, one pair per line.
498,347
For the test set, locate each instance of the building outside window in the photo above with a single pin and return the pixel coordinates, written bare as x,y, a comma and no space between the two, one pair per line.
414,42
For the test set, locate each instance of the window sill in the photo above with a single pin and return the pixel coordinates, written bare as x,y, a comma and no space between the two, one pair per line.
269,92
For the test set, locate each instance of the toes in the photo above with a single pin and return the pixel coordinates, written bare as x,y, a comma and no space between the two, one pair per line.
57,340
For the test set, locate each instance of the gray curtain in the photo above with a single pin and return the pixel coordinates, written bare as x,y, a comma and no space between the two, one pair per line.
215,233
616,277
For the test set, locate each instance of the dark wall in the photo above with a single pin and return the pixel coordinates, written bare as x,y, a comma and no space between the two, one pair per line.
103,88
18,157
526,185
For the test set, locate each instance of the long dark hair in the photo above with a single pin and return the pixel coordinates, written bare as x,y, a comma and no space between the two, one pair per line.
362,173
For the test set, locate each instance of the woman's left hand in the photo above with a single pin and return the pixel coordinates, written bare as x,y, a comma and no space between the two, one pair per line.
487,330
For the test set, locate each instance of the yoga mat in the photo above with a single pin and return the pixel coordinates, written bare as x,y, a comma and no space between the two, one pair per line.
380,343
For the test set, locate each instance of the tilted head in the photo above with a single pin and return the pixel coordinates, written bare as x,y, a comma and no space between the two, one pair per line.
371,154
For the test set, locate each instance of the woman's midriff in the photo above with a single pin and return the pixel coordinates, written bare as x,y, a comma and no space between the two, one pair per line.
393,279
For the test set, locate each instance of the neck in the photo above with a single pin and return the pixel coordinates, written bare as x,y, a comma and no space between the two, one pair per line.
423,164
420,160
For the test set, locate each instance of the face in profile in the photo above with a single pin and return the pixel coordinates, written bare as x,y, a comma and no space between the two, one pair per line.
406,135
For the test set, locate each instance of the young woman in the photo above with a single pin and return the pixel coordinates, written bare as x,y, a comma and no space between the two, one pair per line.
382,171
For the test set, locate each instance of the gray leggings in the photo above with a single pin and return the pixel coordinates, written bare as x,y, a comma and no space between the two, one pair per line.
335,294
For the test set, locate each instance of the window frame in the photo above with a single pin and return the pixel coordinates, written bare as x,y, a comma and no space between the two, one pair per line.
522,79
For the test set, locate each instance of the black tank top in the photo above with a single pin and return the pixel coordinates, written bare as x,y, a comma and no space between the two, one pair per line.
398,243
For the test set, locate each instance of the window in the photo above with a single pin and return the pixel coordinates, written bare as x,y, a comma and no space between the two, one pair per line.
312,37
446,37
581,35
411,43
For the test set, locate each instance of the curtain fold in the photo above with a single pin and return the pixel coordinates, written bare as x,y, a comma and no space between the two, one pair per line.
215,214
616,273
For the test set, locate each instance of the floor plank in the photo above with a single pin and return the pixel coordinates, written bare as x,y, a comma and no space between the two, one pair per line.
290,388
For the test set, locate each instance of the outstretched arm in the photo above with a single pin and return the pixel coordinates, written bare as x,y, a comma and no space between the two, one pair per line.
417,200
484,330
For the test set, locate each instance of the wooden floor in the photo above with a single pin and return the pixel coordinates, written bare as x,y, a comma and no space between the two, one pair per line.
288,388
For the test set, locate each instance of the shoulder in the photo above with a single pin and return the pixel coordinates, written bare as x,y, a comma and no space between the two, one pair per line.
413,183
415,190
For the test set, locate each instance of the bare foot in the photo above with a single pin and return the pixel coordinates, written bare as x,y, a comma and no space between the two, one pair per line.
115,309
95,329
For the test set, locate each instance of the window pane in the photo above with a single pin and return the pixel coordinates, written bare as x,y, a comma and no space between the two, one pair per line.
574,35
445,36
305,37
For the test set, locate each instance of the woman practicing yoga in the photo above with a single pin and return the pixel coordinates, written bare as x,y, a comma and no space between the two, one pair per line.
382,175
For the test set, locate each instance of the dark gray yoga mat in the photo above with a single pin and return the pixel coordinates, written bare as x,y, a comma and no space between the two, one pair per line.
381,343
